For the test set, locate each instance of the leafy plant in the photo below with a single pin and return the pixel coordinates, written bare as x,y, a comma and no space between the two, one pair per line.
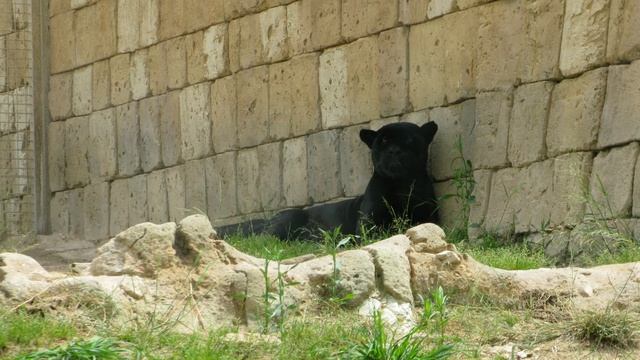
464,183
606,328
279,310
333,242
94,348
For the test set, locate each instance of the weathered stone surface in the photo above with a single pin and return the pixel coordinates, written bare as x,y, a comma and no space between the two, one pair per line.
95,32
76,171
128,25
636,196
77,4
120,79
413,11
223,114
570,179
294,108
199,14
527,129
59,212
313,25
75,206
624,25
465,4
157,206
390,259
324,166
478,208
157,65
176,198
621,111
221,185
377,124
195,187
491,132
431,235
128,131
248,181
60,95
295,173
195,125
172,19
449,205
440,7
139,74
270,179
176,50
355,161
196,60
149,21
216,51
119,206
96,211
518,40
455,123
62,42
393,67
612,179
237,8
170,128
574,118
253,103
194,234
57,7
442,59
150,134
82,85
101,97
21,277
103,157
56,155
363,17
584,37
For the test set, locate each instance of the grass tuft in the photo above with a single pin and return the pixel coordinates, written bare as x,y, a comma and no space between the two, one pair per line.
94,348
606,328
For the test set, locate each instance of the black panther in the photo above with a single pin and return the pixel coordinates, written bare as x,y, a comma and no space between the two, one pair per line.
400,186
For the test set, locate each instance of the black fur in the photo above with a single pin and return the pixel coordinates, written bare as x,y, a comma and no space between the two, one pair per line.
399,187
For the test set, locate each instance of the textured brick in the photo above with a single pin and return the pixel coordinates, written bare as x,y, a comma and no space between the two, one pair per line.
355,161
216,51
491,133
449,205
253,100
76,148
195,186
18,74
481,192
149,21
158,73
584,37
56,155
172,19
270,178
96,211
200,14
176,50
440,7
59,212
527,130
82,85
128,25
324,166
75,205
465,4
150,134
195,57
393,68
176,198
574,118
223,114
139,75
411,117
248,181
363,17
62,42
636,192
612,179
621,112
77,4
313,25
293,97
120,79
442,59
103,157
624,27
195,124
56,6
137,187
128,131
60,95
101,79
157,206
221,185
3,64
95,31
570,179
295,173
119,206
237,8
413,11
170,128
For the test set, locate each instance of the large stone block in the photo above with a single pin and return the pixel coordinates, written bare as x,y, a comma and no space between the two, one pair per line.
128,25
56,7
103,157
17,62
59,213
120,79
172,19
270,179
612,180
176,197
157,206
221,178
77,4
138,206
62,38
119,206
518,41
199,14
76,146
237,8
224,132
56,155
149,21
248,168
294,108
216,50
570,179
150,134
624,26
96,211
324,166
440,7
75,205
253,103
176,52
158,73
491,133
465,4
313,25
393,67
195,57
449,205
101,78
574,118
170,128
636,192
584,37
82,86
139,75
195,186
295,173
195,123
363,17
60,95
95,31
413,11
455,125
128,131
355,161
621,113
3,64
527,130
442,59
481,192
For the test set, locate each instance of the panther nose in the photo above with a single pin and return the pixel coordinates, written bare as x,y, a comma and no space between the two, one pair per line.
393,150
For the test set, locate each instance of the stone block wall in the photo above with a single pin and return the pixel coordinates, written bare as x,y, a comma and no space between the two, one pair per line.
237,108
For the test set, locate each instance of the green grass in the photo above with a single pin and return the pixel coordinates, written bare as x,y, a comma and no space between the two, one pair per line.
606,328
19,329
94,348
266,246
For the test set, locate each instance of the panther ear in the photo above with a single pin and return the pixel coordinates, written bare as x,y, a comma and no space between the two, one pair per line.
368,136
428,131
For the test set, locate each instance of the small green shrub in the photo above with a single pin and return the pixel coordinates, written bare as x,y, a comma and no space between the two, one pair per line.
606,328
94,348
21,328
